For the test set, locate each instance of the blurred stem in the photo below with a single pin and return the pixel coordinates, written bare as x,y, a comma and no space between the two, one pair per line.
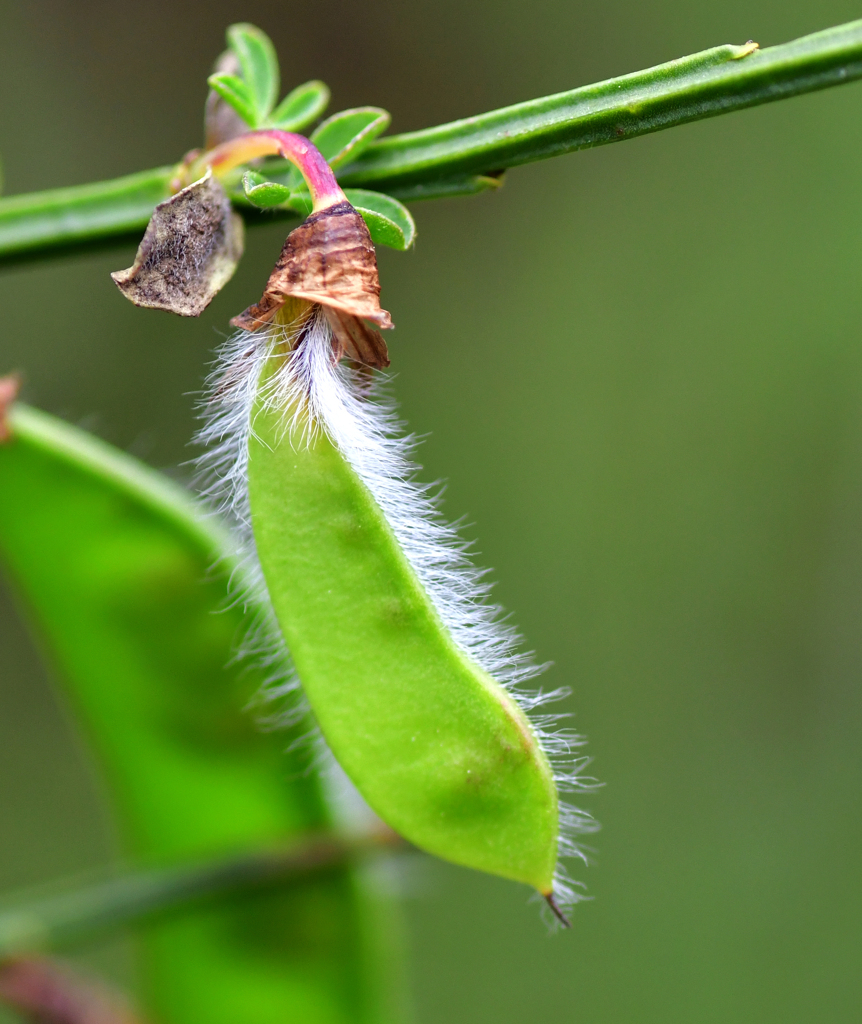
434,161
73,916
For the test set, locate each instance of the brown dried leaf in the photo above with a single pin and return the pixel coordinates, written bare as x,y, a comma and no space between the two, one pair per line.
45,992
329,260
189,252
9,388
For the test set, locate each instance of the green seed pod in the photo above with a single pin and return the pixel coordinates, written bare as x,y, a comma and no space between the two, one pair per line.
411,676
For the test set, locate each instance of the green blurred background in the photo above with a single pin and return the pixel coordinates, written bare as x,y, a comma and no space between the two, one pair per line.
640,371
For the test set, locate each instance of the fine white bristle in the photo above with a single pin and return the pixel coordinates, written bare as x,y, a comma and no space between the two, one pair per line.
363,426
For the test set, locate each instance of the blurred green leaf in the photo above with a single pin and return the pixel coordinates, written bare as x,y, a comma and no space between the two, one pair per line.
75,912
236,92
259,63
128,588
389,222
300,107
345,135
263,193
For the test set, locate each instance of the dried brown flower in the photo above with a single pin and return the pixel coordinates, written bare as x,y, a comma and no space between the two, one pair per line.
330,261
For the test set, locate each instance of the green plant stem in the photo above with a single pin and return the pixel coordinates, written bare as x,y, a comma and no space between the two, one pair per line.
47,220
703,85
72,916
446,159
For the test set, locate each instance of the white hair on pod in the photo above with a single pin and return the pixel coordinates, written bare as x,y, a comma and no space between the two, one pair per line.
222,480
363,425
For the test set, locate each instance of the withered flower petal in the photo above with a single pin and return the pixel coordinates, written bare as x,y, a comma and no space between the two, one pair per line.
330,260
353,338
189,252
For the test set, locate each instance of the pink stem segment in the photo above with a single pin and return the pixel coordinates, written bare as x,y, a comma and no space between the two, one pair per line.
325,190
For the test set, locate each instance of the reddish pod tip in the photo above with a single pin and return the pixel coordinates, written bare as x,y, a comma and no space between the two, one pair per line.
9,388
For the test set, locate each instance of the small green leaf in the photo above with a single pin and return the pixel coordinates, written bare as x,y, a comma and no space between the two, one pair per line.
281,171
389,222
259,63
221,121
262,193
234,91
345,135
300,107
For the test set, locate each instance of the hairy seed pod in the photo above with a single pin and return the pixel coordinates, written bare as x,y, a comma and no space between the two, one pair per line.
414,681
434,743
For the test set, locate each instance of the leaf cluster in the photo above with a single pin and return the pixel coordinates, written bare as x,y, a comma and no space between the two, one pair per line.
254,90
251,92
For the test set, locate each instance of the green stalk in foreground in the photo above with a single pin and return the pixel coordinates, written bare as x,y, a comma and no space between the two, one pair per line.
80,913
127,587
454,158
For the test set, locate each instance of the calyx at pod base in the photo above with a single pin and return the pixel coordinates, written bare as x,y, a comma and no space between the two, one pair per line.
194,241
330,261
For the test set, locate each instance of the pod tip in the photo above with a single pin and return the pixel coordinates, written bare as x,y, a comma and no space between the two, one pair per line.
555,909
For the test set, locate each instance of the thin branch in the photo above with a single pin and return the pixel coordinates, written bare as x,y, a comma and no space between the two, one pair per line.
447,159
40,221
705,84
73,916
